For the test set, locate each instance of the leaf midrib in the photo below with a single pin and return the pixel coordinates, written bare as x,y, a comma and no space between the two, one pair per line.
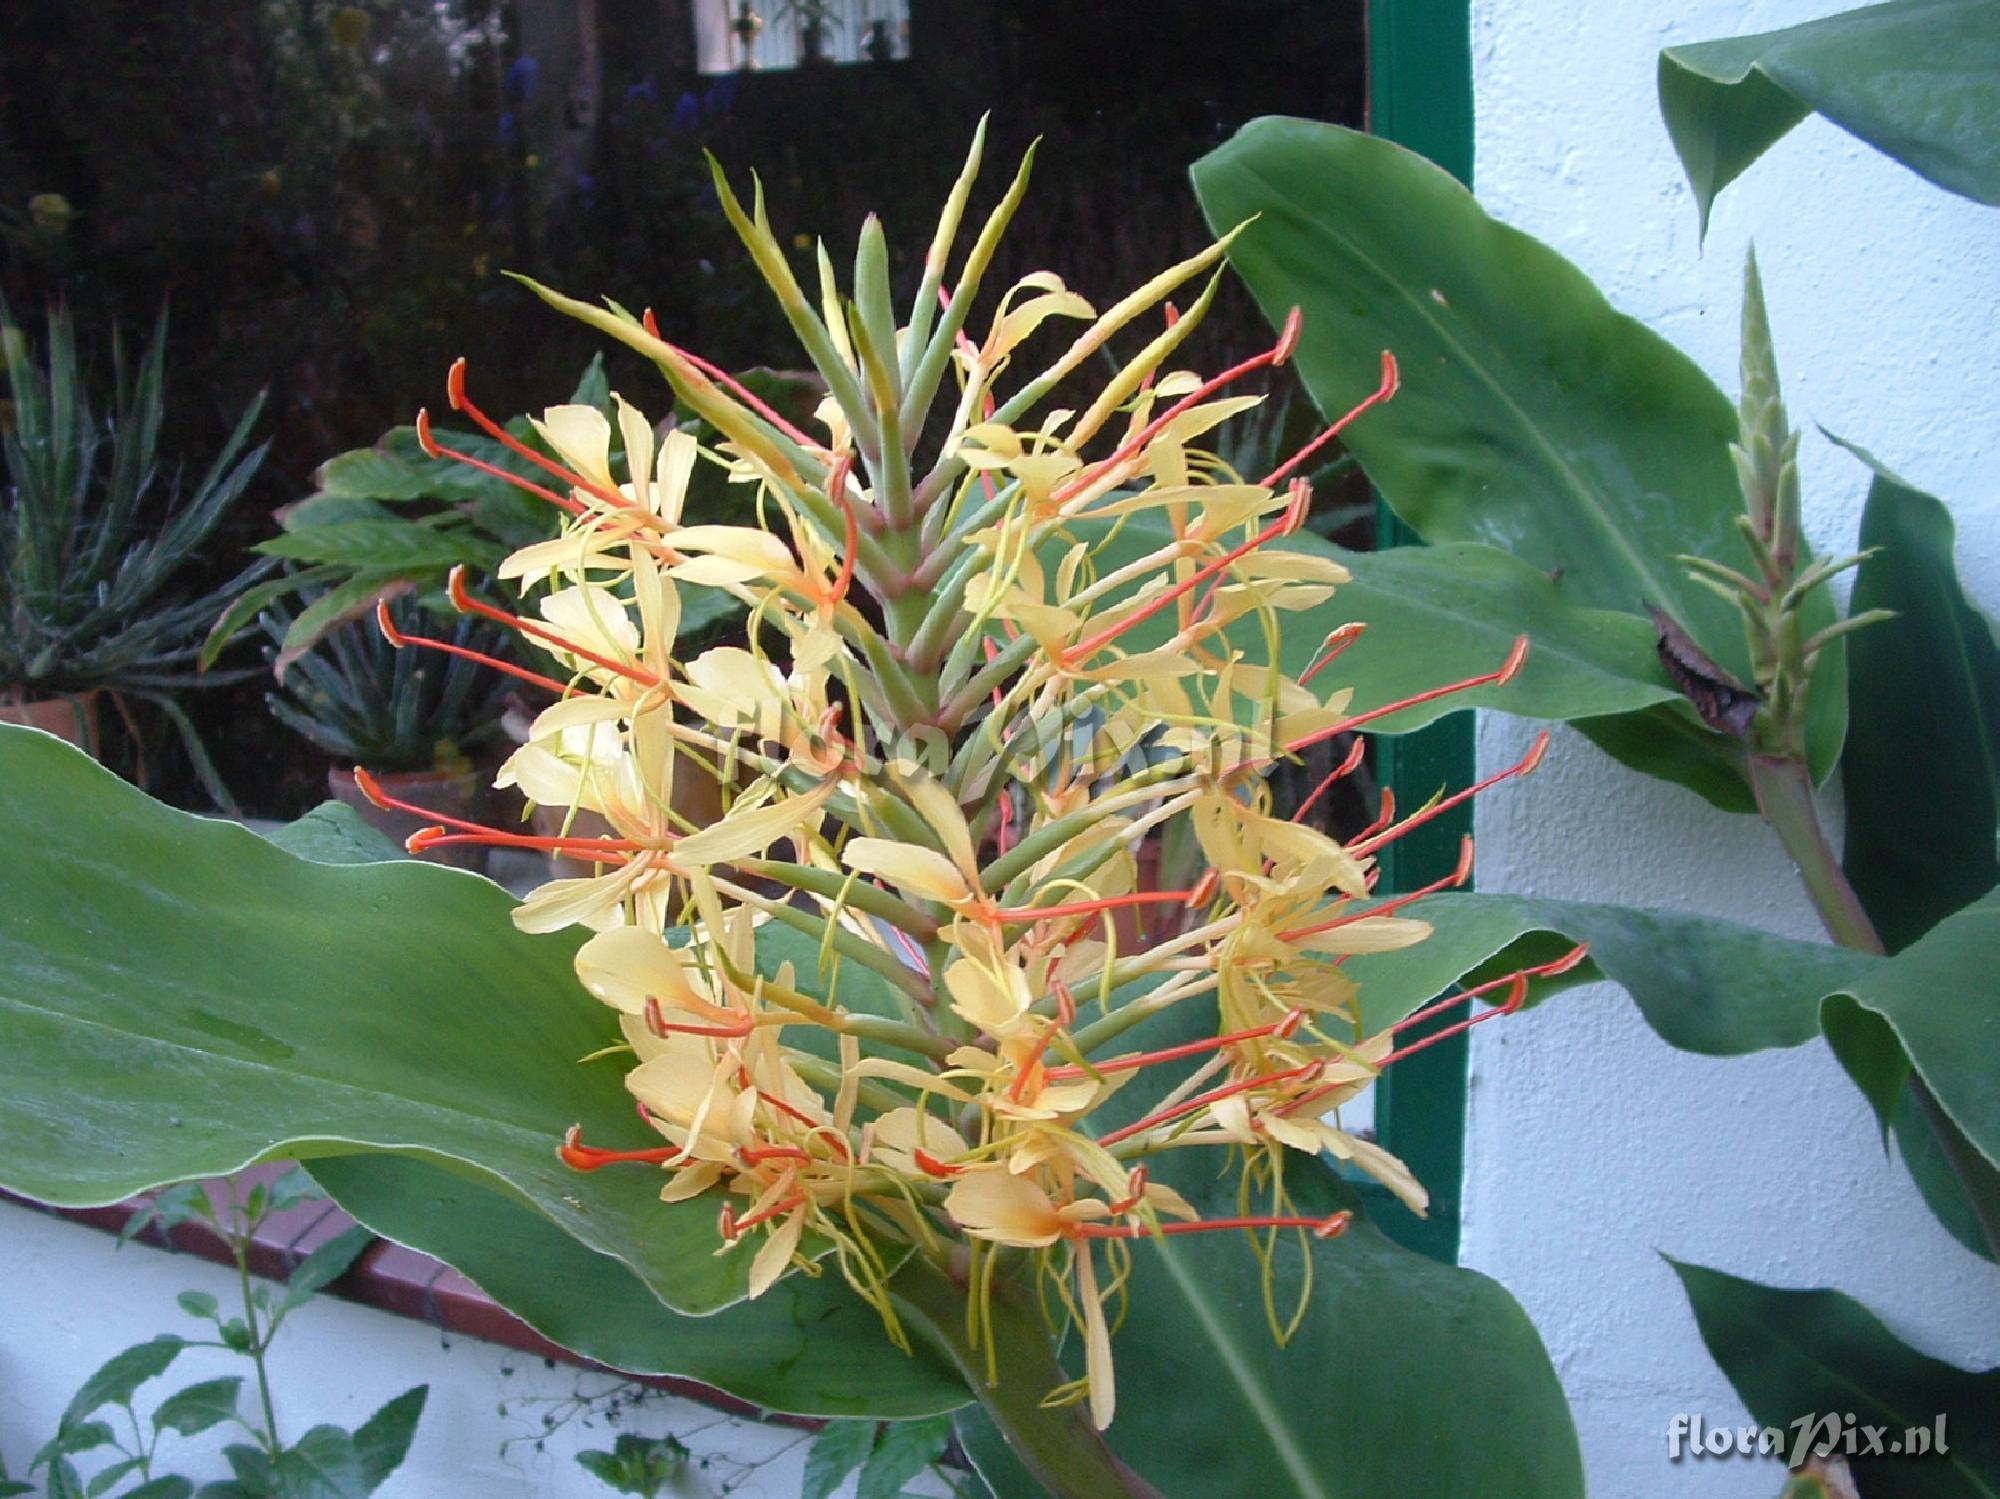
1572,479
1284,1444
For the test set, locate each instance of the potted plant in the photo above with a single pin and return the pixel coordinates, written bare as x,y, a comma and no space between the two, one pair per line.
99,540
418,720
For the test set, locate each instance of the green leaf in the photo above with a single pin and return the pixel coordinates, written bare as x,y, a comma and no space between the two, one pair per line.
807,1346
383,1440
383,546
1929,1165
199,1406
322,1464
1434,616
1916,79
380,474
1454,1394
170,1486
105,1478
120,1375
1794,1354
295,1009
1926,685
840,1448
1704,985
325,1265
905,1450
1937,998
1532,417
82,1436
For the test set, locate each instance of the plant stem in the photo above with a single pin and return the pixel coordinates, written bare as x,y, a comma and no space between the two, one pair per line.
1784,795
1057,1444
239,1248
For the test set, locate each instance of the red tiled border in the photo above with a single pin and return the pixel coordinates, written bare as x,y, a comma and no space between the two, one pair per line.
387,1276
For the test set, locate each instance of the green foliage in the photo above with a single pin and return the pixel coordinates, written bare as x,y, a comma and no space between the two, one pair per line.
1798,1354
326,1463
1916,79
1533,419
367,702
99,537
637,1465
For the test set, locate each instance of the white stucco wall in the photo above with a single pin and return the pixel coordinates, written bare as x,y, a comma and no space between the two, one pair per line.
69,1299
1591,1145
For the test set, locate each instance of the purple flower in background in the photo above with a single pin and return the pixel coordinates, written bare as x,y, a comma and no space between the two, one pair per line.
645,89
504,128
520,81
687,113
721,96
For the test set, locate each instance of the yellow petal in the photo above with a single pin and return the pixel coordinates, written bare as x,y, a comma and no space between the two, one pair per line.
774,1256
921,871
993,1203
582,438
741,834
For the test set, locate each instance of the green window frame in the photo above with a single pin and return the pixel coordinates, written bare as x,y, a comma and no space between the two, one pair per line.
1420,96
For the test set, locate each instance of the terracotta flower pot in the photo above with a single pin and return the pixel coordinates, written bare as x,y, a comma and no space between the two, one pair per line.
73,719
461,794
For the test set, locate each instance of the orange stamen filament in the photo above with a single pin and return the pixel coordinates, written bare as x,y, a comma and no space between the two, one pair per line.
1203,1100
1396,903
580,1157
1505,674
1355,755
1282,1029
435,449
1372,839
460,401
398,639
1092,907
465,603
734,386
1336,642
1390,380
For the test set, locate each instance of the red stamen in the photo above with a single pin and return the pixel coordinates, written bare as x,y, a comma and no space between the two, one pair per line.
1337,641
776,1209
465,603
659,1025
784,1108
1283,1030
1286,522
1065,1015
1092,907
1504,675
1385,813
1390,380
1135,1191
734,386
580,1157
589,850
1395,903
1356,753
398,639
434,449
756,1155
1371,839
460,401
1277,354
1203,1100
930,1165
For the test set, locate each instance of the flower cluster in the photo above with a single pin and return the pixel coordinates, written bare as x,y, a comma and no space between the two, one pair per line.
989,652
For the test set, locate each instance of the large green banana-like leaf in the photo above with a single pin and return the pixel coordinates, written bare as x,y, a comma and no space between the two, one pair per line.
1433,616
1926,683
1916,79
1532,417
808,1346
179,998
1802,1359
1704,985
1937,997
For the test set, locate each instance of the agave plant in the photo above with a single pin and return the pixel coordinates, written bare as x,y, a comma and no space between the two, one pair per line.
98,537
362,701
